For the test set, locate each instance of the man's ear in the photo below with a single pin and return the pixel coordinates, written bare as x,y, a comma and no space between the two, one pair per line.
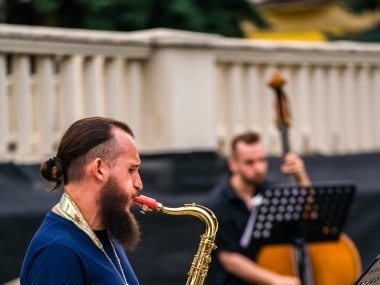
100,169
232,164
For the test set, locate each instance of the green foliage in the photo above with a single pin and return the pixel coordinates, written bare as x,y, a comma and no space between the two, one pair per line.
210,16
358,6
48,5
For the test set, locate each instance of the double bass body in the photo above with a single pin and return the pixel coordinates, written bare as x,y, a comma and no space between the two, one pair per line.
333,263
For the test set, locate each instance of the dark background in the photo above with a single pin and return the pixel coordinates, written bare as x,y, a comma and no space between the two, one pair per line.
169,242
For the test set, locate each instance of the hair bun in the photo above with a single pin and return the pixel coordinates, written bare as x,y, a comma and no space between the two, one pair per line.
53,161
52,170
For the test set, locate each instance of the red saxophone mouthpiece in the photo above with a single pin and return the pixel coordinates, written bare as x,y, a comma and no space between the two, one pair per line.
146,203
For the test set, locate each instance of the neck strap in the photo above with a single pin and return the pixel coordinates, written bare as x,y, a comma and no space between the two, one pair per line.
68,209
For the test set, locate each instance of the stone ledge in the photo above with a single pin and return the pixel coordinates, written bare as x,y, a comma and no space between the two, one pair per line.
176,38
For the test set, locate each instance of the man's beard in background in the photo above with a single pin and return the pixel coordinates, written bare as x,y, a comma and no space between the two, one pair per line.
255,182
120,223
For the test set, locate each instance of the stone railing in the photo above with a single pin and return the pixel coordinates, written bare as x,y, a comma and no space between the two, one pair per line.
183,91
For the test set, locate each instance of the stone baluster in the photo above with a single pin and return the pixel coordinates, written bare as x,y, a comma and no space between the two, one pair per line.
94,89
115,88
333,110
46,106
375,108
4,111
304,109
135,98
318,121
349,136
363,107
236,102
269,132
21,83
71,99
221,108
253,106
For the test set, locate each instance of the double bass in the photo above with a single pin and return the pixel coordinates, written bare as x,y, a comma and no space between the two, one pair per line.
327,263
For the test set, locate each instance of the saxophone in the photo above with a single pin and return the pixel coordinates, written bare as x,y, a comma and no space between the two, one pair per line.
199,266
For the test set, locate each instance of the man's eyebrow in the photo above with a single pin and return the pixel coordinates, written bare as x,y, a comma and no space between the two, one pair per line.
136,165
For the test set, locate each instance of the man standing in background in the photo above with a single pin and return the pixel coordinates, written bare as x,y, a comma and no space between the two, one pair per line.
231,203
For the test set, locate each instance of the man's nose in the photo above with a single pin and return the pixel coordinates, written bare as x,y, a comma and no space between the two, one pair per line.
259,168
137,183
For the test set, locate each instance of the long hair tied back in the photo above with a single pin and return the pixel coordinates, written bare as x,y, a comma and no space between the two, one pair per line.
52,170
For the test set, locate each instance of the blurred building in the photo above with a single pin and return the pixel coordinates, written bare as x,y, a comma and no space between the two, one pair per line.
309,20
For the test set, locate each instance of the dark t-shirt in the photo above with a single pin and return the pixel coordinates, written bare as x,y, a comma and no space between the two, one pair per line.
232,214
61,253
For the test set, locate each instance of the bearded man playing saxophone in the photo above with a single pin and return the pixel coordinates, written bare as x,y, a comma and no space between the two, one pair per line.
83,239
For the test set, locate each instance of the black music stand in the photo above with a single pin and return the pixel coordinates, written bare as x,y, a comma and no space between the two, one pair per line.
298,215
372,274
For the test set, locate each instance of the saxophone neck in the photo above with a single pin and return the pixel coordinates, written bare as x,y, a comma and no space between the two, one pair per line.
201,212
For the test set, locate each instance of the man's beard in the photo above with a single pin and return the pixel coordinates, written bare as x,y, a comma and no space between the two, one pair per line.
120,223
254,182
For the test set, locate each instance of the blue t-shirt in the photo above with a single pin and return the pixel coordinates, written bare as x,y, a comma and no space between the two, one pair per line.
61,253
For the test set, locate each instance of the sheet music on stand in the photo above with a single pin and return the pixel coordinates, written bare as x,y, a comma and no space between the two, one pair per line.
315,213
371,275
294,214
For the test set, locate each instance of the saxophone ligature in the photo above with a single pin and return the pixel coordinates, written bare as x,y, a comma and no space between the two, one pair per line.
199,266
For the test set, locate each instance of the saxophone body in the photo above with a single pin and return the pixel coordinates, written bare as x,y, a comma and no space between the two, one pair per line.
199,266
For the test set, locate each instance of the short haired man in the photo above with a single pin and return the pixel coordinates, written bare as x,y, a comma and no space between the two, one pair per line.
230,201
83,239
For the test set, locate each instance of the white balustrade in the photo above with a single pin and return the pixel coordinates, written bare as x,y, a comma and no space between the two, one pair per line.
183,91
